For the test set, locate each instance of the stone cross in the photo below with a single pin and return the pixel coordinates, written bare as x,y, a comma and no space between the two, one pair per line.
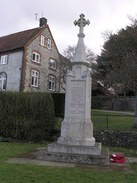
81,22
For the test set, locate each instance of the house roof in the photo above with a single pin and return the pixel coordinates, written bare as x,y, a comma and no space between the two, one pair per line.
66,61
17,40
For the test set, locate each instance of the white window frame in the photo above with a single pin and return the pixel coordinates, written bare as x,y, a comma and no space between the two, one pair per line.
52,83
3,80
49,43
42,40
36,57
3,59
52,64
34,78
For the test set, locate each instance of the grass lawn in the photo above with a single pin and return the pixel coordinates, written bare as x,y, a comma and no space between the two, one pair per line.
108,120
111,120
18,173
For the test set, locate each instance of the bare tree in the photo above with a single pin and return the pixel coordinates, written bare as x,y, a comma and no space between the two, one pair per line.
66,59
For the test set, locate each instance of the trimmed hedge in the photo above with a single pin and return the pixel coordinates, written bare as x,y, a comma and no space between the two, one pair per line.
102,102
59,103
26,116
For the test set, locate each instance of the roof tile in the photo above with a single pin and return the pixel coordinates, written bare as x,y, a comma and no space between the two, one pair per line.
17,40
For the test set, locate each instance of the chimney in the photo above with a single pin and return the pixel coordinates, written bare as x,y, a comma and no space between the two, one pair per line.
43,21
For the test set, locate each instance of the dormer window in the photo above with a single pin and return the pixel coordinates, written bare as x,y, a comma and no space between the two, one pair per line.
42,40
49,44
3,59
52,64
36,57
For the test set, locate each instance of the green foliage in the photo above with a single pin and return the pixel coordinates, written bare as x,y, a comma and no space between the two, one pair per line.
59,103
100,102
117,63
126,152
26,116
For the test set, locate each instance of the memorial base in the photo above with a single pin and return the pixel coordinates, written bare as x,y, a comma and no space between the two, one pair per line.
75,149
85,155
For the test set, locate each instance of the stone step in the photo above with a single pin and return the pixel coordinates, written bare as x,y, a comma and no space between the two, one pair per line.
102,159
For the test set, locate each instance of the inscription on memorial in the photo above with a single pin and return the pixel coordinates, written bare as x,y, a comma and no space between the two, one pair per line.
76,102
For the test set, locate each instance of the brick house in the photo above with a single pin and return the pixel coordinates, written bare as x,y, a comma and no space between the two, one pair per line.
30,61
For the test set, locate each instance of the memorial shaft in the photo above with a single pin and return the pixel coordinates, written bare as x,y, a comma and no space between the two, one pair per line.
77,128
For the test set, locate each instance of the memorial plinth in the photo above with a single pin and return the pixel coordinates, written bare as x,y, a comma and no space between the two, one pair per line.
77,128
76,141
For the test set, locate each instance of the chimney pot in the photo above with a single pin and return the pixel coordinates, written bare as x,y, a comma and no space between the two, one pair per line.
43,21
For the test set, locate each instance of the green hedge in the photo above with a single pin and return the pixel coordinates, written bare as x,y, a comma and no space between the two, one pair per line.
26,116
59,103
101,102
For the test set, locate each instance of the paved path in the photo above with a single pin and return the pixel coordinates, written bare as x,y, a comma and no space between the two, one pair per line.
120,112
131,160
58,164
38,162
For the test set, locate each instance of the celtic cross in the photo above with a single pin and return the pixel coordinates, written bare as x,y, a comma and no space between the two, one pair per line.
81,22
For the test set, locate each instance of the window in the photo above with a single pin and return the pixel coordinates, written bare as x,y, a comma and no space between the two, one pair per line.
49,44
52,64
34,78
3,59
3,80
42,41
36,57
52,83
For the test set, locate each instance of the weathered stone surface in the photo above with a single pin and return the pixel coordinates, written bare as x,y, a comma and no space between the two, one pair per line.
102,159
126,139
76,142
13,70
77,128
73,149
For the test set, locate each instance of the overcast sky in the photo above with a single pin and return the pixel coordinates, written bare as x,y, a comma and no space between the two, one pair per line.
19,15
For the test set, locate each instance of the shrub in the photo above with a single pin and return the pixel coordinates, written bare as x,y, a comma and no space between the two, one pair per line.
59,103
26,116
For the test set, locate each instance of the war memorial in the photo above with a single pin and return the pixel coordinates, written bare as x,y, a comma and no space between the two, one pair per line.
76,143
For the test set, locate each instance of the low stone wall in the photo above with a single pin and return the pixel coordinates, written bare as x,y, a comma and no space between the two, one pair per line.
114,103
120,138
123,103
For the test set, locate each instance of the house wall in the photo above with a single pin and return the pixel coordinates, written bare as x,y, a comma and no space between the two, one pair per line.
13,70
43,67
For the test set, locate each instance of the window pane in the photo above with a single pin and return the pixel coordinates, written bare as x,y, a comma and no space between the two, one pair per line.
33,57
53,86
49,85
36,57
49,44
52,83
36,81
33,73
34,78
4,85
42,40
32,81
4,59
3,79
52,64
